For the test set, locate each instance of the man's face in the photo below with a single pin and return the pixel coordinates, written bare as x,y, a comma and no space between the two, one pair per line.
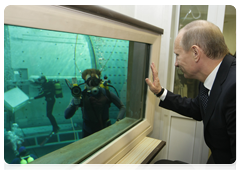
184,59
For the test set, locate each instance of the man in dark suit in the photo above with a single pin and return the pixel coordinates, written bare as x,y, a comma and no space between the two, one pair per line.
201,53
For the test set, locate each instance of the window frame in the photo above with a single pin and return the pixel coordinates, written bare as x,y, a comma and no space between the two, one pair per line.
62,18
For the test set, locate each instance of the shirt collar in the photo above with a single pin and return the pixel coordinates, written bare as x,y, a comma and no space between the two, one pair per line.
208,83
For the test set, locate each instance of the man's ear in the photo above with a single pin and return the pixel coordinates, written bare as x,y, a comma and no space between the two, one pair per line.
196,52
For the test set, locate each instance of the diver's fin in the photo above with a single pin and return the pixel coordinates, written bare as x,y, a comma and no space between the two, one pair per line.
47,138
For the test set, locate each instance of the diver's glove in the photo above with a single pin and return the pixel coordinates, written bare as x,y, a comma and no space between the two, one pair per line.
76,100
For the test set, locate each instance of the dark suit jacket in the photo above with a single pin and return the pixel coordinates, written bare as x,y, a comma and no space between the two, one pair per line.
220,117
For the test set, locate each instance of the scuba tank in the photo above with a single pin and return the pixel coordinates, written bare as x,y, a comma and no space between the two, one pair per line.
106,84
26,159
58,90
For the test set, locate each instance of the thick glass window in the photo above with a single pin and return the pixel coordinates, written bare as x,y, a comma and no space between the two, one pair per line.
188,13
46,72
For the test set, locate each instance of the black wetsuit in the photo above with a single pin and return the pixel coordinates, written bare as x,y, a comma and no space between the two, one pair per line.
48,91
95,110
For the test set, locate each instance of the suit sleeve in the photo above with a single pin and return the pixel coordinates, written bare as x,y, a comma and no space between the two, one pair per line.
230,117
40,95
182,105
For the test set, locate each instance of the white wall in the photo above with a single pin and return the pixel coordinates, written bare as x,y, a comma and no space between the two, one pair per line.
128,10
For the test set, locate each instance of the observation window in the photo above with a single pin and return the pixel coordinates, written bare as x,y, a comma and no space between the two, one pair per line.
30,53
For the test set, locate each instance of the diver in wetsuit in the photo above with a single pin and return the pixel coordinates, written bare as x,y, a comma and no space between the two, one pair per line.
24,157
94,102
48,91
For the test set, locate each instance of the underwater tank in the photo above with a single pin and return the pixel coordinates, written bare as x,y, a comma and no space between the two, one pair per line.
60,57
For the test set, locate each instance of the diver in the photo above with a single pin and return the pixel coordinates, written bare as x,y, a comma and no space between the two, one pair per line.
48,91
15,136
94,102
24,157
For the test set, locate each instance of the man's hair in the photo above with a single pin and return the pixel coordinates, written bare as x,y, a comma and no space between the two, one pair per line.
205,35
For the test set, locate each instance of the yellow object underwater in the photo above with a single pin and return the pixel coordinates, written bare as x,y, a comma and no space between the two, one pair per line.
24,161
102,85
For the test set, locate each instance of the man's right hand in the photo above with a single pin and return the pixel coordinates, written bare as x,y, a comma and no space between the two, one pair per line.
154,86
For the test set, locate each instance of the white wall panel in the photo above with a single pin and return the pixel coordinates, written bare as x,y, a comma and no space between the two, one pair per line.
182,132
216,15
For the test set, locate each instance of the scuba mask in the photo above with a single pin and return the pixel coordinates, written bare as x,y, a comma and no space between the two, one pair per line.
92,83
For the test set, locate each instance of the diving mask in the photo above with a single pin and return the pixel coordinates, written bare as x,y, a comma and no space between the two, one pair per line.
92,83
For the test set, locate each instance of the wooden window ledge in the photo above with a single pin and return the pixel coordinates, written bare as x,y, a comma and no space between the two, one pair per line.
144,152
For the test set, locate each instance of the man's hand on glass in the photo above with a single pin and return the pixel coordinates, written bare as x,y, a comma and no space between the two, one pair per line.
154,86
